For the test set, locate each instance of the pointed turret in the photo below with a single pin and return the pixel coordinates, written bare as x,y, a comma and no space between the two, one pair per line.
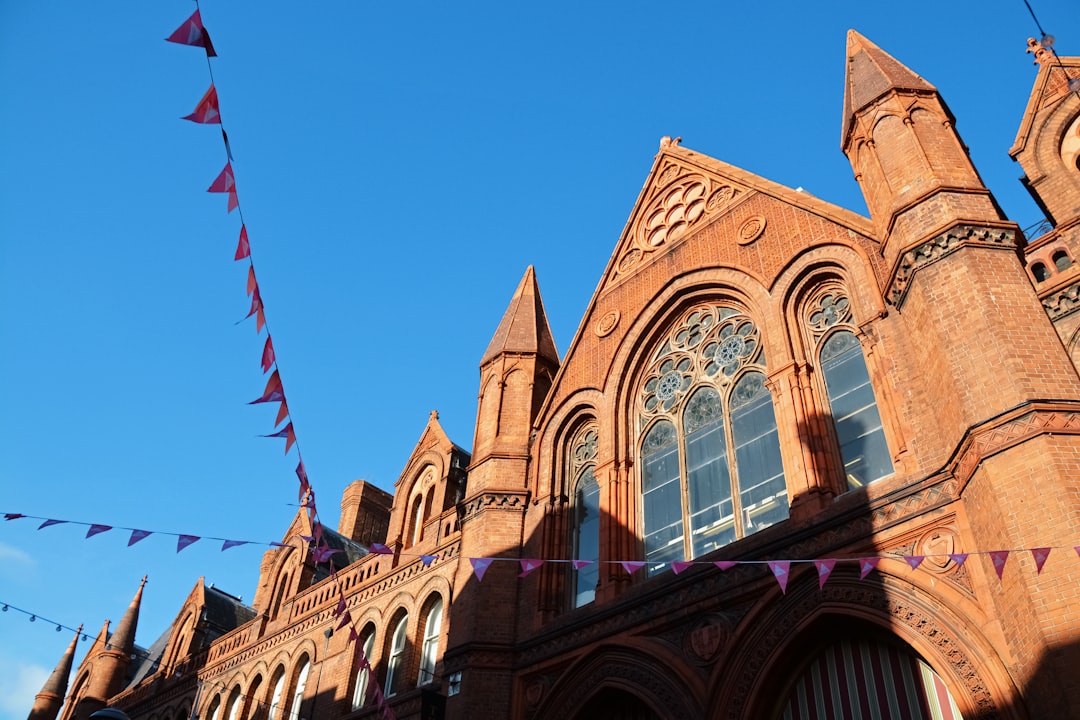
124,637
524,327
47,703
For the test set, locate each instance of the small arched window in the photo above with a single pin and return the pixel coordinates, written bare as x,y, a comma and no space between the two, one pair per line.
233,712
429,649
395,667
215,709
1041,273
276,694
585,524
711,469
367,640
301,686
1062,261
417,533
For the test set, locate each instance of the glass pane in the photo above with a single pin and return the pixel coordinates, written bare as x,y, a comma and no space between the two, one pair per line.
712,521
587,537
662,497
858,423
762,491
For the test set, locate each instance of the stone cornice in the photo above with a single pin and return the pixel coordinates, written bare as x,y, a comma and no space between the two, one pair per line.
943,244
1062,302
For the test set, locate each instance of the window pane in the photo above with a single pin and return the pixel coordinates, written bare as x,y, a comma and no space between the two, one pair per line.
711,510
394,667
762,491
360,694
662,501
858,423
430,648
587,537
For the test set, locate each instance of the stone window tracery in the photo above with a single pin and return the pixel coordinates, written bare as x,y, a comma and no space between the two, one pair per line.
586,514
711,469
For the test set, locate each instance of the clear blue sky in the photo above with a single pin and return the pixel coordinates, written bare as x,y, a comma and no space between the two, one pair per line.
399,166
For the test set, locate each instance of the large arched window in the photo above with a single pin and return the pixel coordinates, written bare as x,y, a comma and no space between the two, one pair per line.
429,649
854,410
367,641
276,694
586,515
395,667
710,453
301,685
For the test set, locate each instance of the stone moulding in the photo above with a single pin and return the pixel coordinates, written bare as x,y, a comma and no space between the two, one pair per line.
940,246
1062,302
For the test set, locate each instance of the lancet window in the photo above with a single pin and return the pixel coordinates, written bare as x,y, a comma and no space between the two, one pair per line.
711,470
586,514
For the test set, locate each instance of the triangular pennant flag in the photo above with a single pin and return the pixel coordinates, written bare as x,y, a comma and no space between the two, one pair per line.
252,285
480,566
428,559
340,607
958,558
224,182
380,549
632,566
781,569
824,569
725,564
13,516
260,319
317,532
184,540
914,560
866,565
322,553
527,566
268,357
679,565
228,148
137,535
234,199
1077,549
999,558
1040,555
578,564
274,392
301,474
193,33
282,413
243,247
95,529
232,543
354,636
256,305
207,111
345,620
47,523
285,432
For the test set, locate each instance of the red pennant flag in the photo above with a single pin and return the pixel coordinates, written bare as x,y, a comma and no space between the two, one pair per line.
184,540
260,319
914,560
1040,555
47,523
679,565
273,392
226,183
527,566
14,516
232,543
781,569
268,357
631,566
95,529
428,559
866,565
824,569
958,558
282,413
251,284
207,111
725,564
578,564
1077,549
137,535
193,33
243,247
380,549
999,558
256,305
301,474
287,433
480,566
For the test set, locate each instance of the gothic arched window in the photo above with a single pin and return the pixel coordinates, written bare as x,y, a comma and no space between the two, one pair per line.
367,642
859,431
586,516
710,453
276,694
429,649
395,668
301,686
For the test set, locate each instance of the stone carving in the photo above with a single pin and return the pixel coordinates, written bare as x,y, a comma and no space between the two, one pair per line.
1063,302
933,250
705,638
986,442
750,230
607,323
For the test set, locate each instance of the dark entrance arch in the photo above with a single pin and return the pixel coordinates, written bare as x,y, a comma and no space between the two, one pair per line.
614,704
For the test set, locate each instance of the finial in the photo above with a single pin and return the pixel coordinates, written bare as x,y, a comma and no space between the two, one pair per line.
434,415
144,579
666,142
1041,49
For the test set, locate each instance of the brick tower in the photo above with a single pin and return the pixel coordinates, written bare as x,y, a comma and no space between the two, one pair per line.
47,702
972,323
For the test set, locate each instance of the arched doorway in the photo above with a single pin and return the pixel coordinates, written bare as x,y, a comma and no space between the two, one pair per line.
613,704
867,677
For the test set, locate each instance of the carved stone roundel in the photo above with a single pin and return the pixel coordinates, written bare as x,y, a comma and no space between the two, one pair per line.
751,230
607,323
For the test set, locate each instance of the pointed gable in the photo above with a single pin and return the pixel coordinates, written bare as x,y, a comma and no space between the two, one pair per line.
872,72
1051,85
524,327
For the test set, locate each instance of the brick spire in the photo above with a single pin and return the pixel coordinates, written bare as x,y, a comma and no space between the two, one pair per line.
524,327
47,702
124,637
872,72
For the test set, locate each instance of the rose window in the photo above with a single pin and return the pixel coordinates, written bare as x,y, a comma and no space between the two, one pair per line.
667,383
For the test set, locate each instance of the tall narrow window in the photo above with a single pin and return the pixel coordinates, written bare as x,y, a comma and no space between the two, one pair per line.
395,667
362,672
429,650
276,695
233,712
301,685
215,709
417,520
710,453
585,519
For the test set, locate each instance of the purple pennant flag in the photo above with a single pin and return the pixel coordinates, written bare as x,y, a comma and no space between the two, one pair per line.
679,565
999,558
232,543
49,523
866,565
480,566
428,559
184,540
137,535
824,569
1040,555
301,474
527,566
96,529
781,569
340,607
725,564
380,549
322,553
914,560
632,566
578,564
345,620
958,558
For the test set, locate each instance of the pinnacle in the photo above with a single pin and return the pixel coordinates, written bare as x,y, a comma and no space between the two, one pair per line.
524,327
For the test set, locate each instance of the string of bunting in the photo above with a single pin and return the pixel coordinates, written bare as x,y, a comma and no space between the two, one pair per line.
208,112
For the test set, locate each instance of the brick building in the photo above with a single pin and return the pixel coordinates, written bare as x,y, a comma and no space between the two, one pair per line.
760,375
